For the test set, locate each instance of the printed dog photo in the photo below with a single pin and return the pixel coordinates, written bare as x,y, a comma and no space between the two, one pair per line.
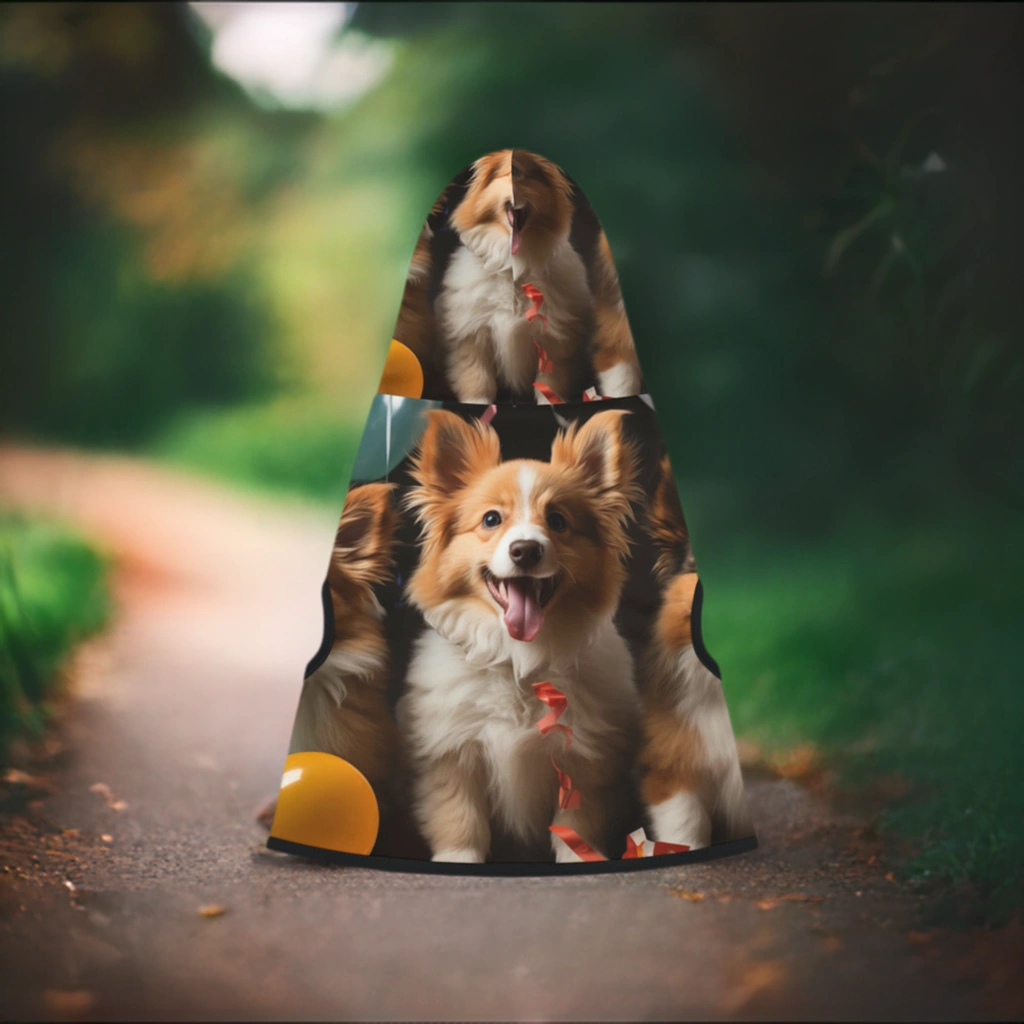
692,786
511,661
512,292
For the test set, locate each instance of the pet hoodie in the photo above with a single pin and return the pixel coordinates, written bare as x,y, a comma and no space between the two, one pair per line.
512,678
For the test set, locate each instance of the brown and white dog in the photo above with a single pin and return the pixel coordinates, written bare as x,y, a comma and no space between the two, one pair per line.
520,574
513,224
343,709
691,780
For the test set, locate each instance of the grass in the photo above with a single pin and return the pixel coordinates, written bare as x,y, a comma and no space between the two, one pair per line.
298,448
898,656
52,595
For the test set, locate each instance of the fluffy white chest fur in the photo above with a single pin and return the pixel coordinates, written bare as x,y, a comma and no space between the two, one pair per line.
474,692
482,309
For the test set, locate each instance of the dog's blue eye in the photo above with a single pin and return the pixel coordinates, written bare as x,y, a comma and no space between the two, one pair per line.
556,521
492,519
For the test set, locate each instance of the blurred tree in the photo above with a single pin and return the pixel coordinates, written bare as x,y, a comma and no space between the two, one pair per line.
814,211
132,175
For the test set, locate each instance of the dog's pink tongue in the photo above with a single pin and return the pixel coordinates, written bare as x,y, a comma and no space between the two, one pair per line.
515,239
523,616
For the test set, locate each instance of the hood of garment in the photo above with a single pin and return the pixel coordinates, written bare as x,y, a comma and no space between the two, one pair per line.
512,293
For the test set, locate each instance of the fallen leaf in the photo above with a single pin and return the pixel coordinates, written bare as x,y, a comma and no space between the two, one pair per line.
790,897
106,838
104,791
798,763
754,980
685,894
748,752
212,910
890,876
16,777
68,1002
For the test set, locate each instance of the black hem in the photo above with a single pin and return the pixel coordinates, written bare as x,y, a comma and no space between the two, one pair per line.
512,869
703,656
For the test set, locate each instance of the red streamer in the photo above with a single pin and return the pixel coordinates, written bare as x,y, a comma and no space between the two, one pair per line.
569,798
575,843
544,363
635,849
660,848
547,393
557,701
536,296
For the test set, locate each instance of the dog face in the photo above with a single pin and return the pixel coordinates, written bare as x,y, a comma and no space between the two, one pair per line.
484,218
516,204
532,548
362,554
542,206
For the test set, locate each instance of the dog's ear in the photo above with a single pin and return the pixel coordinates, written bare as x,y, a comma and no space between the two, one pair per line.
667,525
600,451
365,535
453,452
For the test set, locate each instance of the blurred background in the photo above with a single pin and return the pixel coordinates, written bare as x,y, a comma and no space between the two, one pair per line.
208,211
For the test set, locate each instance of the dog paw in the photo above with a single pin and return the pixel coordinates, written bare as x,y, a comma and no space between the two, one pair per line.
459,855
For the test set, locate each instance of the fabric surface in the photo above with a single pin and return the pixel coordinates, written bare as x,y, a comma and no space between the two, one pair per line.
512,657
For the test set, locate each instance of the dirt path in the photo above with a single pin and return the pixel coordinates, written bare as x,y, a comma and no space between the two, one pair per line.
184,710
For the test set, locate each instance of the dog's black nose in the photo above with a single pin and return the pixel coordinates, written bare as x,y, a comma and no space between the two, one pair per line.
525,553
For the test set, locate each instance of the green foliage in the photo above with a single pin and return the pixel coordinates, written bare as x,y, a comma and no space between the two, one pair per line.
896,652
288,447
125,274
814,214
52,595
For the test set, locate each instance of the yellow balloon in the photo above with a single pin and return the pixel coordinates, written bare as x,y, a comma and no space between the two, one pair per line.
403,374
326,802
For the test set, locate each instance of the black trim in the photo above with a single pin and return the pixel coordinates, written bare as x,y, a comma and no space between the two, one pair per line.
512,869
328,641
698,635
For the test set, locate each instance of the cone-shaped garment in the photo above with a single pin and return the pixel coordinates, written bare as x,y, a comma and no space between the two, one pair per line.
512,656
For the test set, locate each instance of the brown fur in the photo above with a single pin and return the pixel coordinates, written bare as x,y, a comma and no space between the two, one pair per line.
546,191
680,693
674,629
667,526
613,339
359,727
672,757
488,191
416,327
